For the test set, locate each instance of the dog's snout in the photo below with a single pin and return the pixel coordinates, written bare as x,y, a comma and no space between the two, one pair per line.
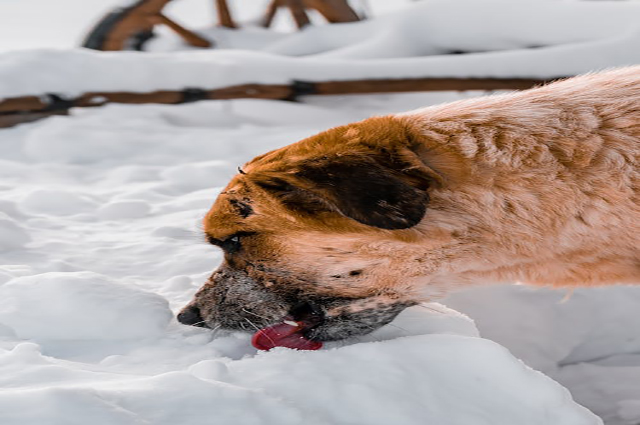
308,313
190,316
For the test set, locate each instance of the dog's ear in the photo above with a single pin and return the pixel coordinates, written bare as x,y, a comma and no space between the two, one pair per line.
378,192
292,196
368,192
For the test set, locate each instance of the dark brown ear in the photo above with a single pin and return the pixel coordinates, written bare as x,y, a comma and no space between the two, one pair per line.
294,197
375,193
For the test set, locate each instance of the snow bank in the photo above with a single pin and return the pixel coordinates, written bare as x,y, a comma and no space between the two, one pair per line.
12,234
484,374
55,202
569,38
538,319
81,305
586,339
451,379
436,27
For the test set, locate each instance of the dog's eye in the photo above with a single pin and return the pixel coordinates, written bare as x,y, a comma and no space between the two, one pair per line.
231,244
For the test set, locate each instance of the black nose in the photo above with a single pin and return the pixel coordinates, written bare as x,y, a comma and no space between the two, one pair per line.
190,316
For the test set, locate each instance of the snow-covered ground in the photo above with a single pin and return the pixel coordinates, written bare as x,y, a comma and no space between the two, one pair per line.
588,339
100,245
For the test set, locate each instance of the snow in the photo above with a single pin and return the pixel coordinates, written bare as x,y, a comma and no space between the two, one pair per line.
55,202
482,372
119,210
65,22
436,27
80,305
569,38
100,241
23,22
587,339
12,234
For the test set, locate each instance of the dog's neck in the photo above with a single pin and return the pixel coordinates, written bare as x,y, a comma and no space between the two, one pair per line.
541,204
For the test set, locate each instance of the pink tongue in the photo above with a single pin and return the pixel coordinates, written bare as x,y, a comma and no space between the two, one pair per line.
283,335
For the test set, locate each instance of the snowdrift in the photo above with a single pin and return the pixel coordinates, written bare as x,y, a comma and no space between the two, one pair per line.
500,39
408,379
586,339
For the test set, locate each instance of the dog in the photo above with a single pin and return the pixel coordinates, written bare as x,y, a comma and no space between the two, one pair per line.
343,230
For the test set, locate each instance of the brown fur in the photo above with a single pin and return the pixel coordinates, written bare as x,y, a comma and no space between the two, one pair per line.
539,186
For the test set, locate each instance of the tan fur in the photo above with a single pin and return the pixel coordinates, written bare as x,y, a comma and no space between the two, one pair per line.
550,189
539,186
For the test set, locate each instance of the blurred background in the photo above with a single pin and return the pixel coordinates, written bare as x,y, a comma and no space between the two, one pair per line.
28,24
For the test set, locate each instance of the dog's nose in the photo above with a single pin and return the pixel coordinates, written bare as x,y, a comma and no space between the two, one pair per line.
190,316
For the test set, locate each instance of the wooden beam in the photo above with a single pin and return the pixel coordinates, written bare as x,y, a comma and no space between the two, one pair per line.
11,120
24,103
424,84
27,108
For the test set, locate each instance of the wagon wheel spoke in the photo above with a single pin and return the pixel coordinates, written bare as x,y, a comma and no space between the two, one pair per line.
131,27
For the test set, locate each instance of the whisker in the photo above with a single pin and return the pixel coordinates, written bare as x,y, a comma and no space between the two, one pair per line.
254,314
252,324
398,327
215,331
431,308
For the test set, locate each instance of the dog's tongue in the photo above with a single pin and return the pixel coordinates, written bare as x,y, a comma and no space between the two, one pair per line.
286,334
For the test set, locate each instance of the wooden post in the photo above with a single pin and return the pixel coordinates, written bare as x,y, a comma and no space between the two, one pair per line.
224,15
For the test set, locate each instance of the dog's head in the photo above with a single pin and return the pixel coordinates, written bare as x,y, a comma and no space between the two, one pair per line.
325,231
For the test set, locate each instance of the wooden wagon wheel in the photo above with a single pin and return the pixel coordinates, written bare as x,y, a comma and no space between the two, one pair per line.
130,27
